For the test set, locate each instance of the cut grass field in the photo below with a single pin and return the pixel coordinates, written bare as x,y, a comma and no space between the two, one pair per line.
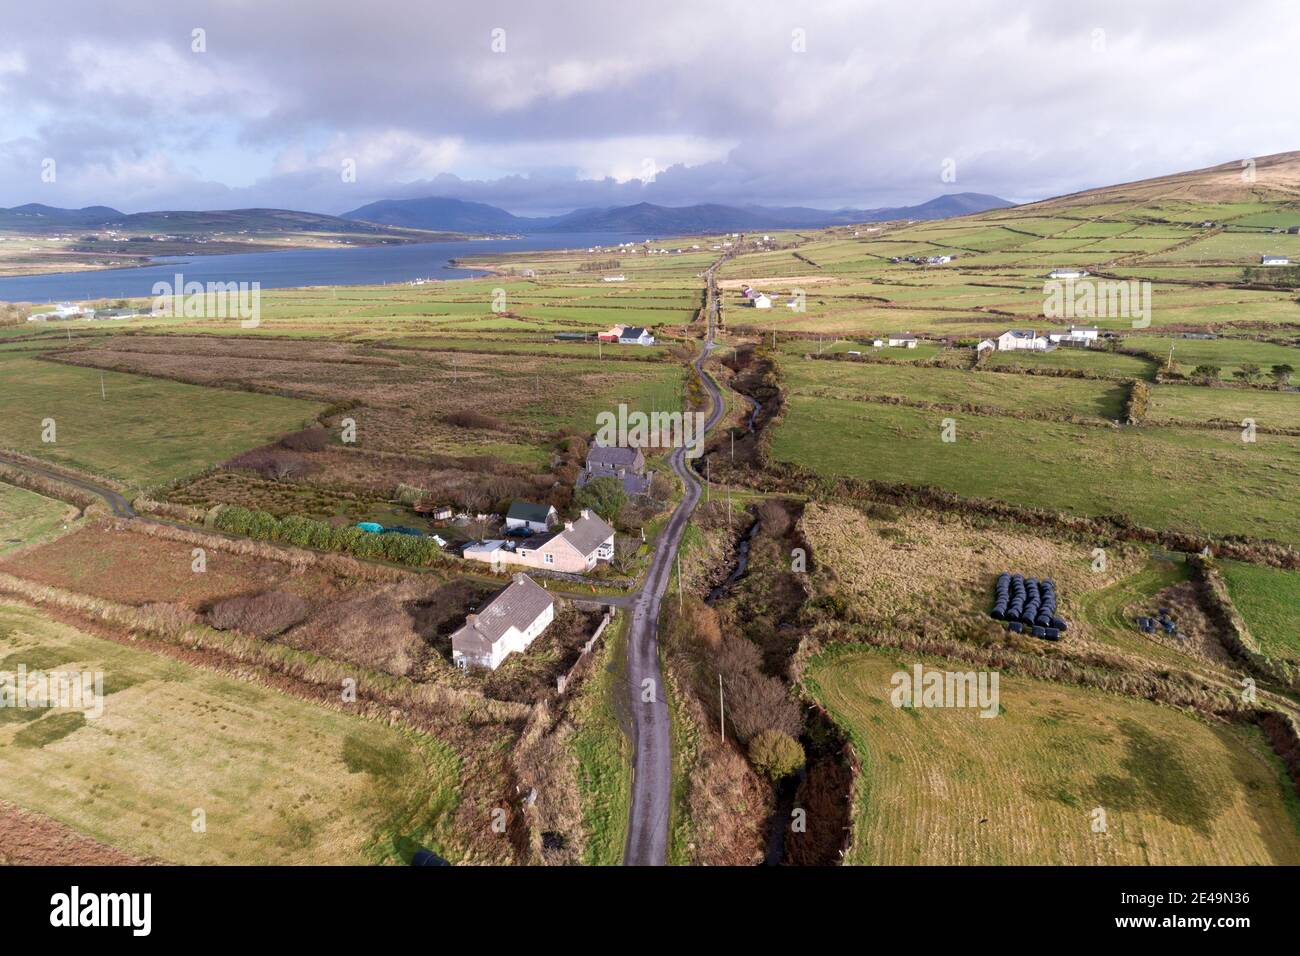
948,787
1268,599
27,518
278,780
1190,479
141,431
1029,394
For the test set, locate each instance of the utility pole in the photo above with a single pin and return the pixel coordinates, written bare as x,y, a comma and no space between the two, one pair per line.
103,395
708,481
1170,364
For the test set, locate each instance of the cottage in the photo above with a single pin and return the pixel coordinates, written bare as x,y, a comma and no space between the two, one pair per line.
513,620
902,341
1013,340
524,515
1274,261
576,549
1076,335
761,301
634,335
614,461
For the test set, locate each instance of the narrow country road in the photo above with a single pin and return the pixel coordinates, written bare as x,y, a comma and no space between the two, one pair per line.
116,503
652,774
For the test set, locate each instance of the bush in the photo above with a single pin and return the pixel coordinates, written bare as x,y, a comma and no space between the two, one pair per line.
755,702
469,418
309,439
775,754
262,615
605,496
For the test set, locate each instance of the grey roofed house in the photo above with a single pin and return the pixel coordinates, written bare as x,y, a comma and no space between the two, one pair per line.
521,607
616,461
588,533
609,459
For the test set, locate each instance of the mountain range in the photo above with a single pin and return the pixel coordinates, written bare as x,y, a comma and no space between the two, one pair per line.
460,215
37,218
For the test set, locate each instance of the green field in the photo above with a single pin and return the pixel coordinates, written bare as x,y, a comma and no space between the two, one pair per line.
1228,354
1268,599
1193,479
278,780
854,380
1090,360
1231,405
948,787
26,517
604,757
141,431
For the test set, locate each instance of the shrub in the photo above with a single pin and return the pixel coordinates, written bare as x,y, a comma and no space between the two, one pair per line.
468,418
755,702
605,496
309,439
262,615
775,754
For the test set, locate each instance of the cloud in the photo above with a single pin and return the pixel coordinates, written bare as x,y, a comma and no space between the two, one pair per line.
839,103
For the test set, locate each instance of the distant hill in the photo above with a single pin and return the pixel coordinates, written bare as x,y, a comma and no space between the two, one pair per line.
1271,178
37,218
644,217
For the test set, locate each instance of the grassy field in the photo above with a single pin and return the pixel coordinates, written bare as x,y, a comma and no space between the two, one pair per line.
1192,479
1269,601
1228,354
26,517
1231,405
604,755
947,787
279,780
855,380
1090,360
141,431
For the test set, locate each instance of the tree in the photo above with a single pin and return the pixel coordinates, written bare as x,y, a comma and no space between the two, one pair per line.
1249,371
1209,373
775,754
605,496
1282,373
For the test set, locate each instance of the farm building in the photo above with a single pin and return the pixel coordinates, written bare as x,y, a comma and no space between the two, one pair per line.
612,461
760,301
1274,261
986,345
575,549
1013,340
1076,335
902,341
1067,273
525,514
436,512
617,278
635,335
612,334
513,620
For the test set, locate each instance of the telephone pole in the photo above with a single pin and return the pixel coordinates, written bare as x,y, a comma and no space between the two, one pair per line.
722,713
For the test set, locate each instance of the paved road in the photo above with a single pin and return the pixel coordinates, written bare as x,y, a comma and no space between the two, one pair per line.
647,832
116,503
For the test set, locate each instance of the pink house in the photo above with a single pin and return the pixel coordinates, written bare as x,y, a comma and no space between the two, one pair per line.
574,549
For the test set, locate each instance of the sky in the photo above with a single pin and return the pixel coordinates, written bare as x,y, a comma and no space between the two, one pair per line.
542,107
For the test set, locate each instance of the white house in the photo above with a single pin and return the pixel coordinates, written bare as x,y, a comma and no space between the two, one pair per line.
1274,261
513,620
634,335
1067,273
525,514
762,302
986,345
1076,335
878,343
1013,340
902,341
617,278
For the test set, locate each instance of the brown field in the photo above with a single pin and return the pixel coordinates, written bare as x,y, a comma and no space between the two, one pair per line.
30,839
